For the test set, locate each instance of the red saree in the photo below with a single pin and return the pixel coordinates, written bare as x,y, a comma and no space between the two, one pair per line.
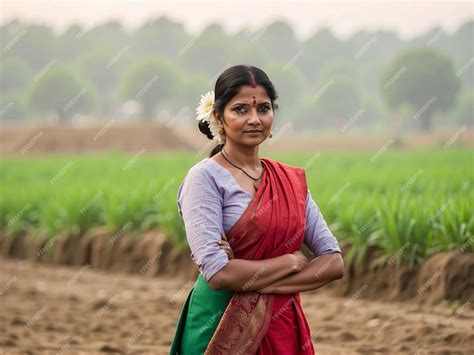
273,224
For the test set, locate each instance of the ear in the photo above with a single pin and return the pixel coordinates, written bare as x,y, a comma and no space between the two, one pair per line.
217,118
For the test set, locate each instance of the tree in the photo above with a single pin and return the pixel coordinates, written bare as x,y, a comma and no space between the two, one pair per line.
423,78
15,75
464,113
337,67
209,53
318,50
101,70
35,44
62,92
160,35
337,100
290,86
152,81
12,108
279,39
337,96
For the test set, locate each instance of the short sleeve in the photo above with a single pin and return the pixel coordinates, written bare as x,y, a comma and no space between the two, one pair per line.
200,205
318,238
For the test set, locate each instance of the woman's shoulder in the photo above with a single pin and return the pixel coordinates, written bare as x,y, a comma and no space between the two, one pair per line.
205,167
204,172
200,179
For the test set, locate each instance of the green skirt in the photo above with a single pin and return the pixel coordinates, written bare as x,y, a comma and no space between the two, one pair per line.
199,318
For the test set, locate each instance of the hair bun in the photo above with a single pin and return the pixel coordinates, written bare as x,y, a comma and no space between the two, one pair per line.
204,128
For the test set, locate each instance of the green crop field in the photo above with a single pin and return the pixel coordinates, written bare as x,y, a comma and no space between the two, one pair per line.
410,204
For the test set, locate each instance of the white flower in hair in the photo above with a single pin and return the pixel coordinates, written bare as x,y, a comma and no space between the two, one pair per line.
204,113
204,108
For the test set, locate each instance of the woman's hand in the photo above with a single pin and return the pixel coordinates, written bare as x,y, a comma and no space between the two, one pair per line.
299,260
224,244
267,289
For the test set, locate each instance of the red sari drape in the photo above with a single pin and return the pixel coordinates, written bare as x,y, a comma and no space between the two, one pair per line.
273,224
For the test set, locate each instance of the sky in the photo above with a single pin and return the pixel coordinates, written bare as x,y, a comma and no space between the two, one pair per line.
407,18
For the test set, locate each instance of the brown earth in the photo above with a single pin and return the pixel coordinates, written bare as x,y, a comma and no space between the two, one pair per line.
131,138
123,253
50,309
127,138
443,276
446,276
109,300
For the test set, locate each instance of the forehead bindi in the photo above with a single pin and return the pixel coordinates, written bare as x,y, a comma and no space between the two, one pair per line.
252,96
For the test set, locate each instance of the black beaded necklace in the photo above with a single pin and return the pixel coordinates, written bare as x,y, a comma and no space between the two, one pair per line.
256,182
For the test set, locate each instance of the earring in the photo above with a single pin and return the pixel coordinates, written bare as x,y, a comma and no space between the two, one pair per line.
222,133
271,134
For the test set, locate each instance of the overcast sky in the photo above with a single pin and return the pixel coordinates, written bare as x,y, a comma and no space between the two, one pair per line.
407,18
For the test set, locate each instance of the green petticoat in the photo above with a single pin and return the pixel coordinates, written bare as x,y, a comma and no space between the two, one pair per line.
199,318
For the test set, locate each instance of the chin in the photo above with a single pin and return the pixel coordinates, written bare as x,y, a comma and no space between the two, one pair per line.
252,141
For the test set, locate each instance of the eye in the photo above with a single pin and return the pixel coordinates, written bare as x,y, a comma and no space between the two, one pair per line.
241,109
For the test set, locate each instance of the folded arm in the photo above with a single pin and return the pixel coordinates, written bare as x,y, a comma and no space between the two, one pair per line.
250,275
328,264
320,271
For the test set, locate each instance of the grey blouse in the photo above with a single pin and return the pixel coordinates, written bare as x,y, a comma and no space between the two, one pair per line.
210,201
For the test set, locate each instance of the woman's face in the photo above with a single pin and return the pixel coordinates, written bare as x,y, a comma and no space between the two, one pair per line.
249,110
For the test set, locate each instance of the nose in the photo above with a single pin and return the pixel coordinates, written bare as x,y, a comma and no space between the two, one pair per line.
253,116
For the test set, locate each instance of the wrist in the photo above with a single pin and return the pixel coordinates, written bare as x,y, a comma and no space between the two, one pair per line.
293,266
269,289
272,288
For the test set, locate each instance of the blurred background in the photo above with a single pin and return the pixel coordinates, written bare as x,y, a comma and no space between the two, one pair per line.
150,62
98,130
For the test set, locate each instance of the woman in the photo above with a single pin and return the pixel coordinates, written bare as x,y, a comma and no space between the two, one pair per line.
246,218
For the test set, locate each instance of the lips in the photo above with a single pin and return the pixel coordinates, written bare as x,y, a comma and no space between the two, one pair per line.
253,131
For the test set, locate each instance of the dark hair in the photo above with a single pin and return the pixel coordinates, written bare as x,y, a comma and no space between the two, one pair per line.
228,85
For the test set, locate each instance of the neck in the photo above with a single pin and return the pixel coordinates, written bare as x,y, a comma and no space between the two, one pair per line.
245,157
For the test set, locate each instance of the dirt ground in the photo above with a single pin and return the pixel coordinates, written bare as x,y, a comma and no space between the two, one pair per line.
154,138
51,309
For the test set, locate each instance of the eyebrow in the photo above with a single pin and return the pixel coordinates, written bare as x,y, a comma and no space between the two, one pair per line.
245,103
